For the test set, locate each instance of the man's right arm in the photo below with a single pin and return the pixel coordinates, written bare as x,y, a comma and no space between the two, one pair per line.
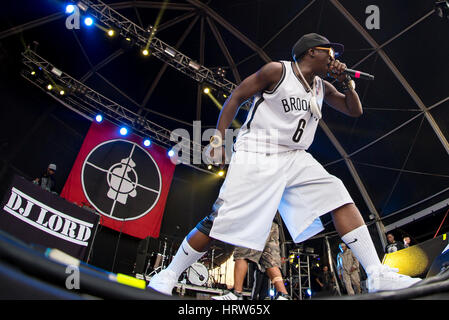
264,79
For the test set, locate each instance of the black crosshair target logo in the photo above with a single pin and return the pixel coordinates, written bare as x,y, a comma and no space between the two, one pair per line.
121,180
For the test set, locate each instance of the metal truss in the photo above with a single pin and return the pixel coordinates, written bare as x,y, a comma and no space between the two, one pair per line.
161,50
299,270
88,103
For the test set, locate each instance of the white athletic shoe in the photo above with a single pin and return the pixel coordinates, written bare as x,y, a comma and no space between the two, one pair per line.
384,278
229,296
163,282
282,296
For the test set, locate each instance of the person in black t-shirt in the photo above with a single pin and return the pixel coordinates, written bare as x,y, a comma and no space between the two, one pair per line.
392,245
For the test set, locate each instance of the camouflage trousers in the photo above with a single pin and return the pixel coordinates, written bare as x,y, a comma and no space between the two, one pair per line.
268,258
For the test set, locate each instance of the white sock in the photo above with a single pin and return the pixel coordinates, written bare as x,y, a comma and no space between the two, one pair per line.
185,257
362,246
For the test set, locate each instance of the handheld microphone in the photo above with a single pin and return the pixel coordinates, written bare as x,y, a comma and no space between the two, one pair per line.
359,74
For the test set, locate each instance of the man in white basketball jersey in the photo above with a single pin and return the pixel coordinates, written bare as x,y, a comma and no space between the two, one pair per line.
271,170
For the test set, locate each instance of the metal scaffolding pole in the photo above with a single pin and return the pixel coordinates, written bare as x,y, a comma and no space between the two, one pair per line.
331,265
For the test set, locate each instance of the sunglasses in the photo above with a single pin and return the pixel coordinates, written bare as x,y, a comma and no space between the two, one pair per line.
330,50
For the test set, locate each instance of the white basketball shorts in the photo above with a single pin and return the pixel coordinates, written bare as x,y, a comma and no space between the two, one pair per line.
257,185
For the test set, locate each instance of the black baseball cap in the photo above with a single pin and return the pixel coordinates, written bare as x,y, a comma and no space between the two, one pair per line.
311,40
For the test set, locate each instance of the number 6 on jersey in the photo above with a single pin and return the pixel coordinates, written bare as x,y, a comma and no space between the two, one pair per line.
299,131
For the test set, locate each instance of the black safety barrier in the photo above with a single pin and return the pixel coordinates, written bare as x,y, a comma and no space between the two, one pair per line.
91,281
16,285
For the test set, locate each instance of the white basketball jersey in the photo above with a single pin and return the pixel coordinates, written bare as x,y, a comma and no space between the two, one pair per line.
280,120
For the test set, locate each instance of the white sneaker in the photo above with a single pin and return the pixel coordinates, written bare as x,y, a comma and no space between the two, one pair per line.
384,278
163,282
282,296
229,296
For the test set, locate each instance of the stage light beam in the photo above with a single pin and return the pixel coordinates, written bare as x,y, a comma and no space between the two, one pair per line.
208,92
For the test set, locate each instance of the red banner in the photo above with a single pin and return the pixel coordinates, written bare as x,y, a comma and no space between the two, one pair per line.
122,180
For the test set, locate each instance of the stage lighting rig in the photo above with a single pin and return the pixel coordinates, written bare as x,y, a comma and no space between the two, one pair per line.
145,39
89,104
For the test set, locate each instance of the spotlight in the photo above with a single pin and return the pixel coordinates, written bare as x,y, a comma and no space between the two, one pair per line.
56,71
221,72
49,87
206,90
123,131
33,73
209,167
271,292
171,153
82,6
69,8
309,292
221,173
111,33
152,29
170,52
99,118
88,21
145,52
147,142
194,65
61,92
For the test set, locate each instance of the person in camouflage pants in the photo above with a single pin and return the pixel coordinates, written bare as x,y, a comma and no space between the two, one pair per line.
268,260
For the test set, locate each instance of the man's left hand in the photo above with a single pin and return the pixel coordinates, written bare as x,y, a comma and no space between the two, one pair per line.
336,70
